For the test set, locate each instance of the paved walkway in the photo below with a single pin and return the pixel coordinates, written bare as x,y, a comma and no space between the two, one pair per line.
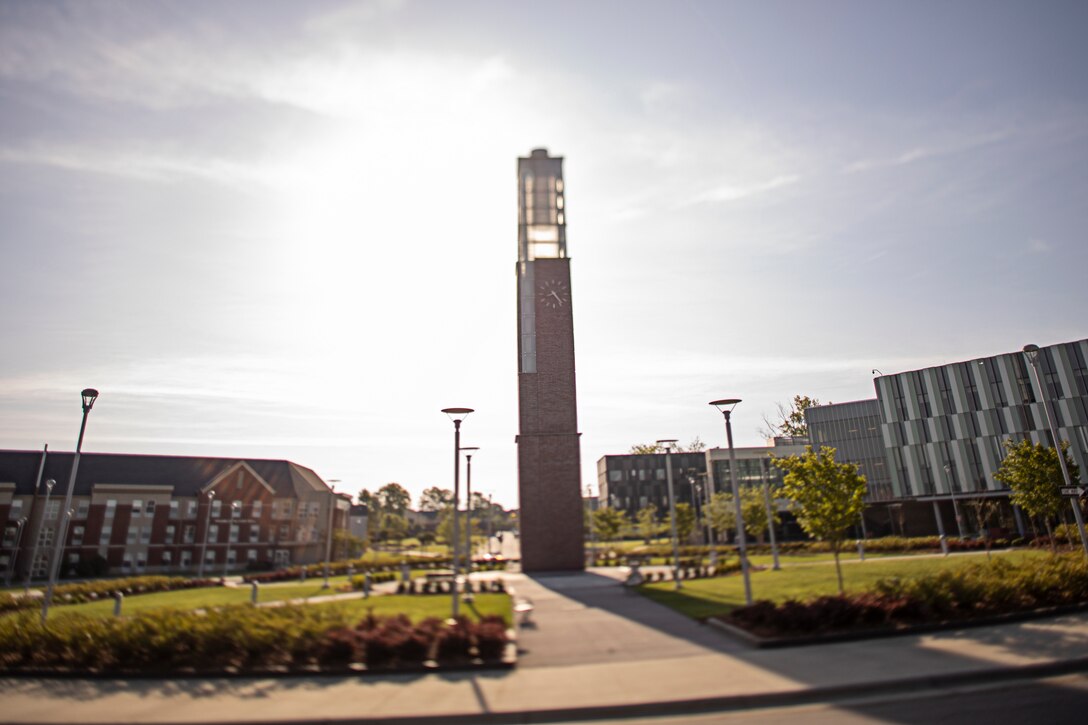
595,649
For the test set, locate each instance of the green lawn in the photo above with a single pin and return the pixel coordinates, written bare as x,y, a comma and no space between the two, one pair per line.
701,598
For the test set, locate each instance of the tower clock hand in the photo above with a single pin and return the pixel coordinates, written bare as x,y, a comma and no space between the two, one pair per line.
556,297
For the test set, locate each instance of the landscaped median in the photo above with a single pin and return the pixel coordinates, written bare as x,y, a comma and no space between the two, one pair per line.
904,600
257,640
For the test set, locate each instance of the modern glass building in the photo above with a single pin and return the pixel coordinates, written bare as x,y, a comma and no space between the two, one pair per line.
853,430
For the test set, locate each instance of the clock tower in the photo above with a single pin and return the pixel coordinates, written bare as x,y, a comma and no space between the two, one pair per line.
549,458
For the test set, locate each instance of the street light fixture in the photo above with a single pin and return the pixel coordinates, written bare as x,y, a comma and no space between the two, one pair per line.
89,395
1032,353
207,526
49,484
328,530
456,415
468,451
948,469
668,443
235,508
726,406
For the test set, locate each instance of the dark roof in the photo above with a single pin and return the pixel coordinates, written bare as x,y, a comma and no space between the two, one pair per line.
185,474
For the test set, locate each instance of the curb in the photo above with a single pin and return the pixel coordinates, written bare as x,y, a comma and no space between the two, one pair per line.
758,642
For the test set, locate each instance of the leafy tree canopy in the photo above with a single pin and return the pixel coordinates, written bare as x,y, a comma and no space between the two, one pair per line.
790,419
393,498
1034,474
608,523
828,496
435,499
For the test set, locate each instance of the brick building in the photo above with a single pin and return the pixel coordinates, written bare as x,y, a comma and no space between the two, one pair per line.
164,514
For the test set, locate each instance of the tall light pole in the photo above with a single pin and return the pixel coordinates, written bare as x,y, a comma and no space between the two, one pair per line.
948,469
207,526
456,415
49,484
668,443
1032,353
726,406
89,395
328,530
469,450
765,466
235,508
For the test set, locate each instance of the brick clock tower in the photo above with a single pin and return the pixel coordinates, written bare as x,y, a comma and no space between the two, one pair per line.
549,470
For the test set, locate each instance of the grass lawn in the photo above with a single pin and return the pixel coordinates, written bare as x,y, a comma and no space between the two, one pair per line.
416,607
701,598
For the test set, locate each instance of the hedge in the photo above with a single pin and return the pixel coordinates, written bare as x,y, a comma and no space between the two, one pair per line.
981,589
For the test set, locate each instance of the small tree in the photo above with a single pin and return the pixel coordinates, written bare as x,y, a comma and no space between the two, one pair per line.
1034,474
609,523
641,449
720,512
754,509
435,499
791,420
685,521
393,498
648,525
828,496
984,510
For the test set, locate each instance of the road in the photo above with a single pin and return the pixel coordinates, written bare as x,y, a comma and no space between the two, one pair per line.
1054,701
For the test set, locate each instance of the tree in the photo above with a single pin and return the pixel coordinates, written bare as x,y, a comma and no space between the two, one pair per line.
641,449
392,526
393,498
609,523
791,420
696,445
828,496
753,507
720,512
435,499
1034,474
984,510
347,545
648,526
366,498
685,521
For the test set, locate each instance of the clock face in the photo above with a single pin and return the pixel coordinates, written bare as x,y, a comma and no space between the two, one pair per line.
553,294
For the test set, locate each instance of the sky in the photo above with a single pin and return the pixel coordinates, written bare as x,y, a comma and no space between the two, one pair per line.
288,230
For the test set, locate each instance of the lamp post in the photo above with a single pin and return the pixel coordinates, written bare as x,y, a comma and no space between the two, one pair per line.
49,484
469,450
1032,353
456,415
207,525
89,395
765,466
668,443
948,469
328,531
726,406
20,524
235,508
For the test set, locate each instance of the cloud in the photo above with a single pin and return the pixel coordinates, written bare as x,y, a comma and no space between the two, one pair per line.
921,153
735,192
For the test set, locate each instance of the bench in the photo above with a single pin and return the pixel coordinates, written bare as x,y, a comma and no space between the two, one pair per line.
523,608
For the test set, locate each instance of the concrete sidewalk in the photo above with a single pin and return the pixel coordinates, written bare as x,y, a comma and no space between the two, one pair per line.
595,650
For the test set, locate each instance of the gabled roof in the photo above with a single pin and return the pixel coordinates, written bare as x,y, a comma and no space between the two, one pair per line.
187,475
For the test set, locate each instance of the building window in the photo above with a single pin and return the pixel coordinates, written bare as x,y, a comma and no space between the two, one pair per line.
141,561
166,558
83,508
149,509
126,563
209,557
257,509
137,507
77,536
174,508
234,533
191,509
170,531
285,532
145,535
133,532
615,475
251,556
188,534
213,532
111,508
9,536
217,508
104,538
186,558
